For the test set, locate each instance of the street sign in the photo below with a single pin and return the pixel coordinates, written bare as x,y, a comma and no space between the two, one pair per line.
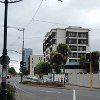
4,60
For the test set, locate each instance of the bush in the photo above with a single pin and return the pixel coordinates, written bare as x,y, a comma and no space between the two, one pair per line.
10,92
55,84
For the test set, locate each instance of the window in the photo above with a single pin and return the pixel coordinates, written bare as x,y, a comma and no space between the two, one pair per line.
80,41
50,49
72,60
80,55
32,66
54,41
32,62
47,52
74,55
71,34
73,48
81,48
72,41
83,34
53,34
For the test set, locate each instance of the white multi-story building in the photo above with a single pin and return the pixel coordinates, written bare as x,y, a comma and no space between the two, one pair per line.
0,70
33,61
77,39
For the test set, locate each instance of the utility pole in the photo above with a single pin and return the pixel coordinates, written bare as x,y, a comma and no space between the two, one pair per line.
4,58
91,71
22,63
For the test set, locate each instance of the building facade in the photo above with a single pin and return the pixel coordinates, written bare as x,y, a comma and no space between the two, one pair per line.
0,70
27,53
33,61
77,39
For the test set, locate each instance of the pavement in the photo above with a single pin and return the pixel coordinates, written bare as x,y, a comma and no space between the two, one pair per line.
77,87
46,93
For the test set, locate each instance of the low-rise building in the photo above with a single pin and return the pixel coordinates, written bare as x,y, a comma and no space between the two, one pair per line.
33,61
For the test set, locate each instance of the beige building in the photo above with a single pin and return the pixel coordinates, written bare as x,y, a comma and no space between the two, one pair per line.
33,61
77,38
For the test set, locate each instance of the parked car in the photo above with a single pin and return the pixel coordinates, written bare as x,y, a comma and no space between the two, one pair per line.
35,78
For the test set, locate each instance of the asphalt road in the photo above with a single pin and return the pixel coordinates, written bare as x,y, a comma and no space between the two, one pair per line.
40,93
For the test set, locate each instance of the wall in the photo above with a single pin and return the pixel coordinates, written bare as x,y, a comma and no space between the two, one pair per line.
84,79
74,70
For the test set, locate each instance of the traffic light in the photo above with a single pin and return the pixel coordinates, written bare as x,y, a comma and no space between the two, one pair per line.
88,57
22,64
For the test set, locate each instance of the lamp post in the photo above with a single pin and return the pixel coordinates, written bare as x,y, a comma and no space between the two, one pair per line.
4,58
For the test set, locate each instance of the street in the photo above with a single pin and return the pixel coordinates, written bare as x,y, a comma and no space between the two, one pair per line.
40,93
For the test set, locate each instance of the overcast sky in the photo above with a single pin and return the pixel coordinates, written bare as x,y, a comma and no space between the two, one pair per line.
40,16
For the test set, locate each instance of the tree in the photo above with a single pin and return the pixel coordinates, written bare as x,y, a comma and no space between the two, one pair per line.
84,64
59,57
56,60
42,68
12,71
65,51
94,60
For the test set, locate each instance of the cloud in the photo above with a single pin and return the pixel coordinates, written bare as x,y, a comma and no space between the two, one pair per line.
66,13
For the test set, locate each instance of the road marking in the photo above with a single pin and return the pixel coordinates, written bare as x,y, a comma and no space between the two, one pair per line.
50,91
20,88
74,95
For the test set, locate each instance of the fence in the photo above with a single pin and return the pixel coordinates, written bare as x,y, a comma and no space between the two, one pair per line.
84,80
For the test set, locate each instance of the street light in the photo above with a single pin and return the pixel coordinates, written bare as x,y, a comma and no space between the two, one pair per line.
4,58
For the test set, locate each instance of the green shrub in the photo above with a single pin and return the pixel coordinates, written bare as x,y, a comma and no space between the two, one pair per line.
10,92
55,84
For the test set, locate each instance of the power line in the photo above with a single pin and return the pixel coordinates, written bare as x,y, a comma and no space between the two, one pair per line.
34,15
44,21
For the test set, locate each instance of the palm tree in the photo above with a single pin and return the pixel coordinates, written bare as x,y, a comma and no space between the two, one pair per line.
59,57
56,60
65,51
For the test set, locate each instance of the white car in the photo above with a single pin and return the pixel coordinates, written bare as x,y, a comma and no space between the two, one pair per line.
35,78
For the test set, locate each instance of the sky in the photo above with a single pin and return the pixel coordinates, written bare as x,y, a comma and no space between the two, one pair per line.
39,16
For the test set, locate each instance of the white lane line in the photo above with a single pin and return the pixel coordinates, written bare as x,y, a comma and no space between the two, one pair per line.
22,89
50,91
74,95
18,87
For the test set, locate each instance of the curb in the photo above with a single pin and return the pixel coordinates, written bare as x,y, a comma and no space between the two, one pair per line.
85,87
44,86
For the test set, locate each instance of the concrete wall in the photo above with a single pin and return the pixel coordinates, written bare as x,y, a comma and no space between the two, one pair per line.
74,70
84,80
58,77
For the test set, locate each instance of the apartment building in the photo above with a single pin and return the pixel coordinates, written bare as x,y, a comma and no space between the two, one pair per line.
77,38
27,53
0,70
33,61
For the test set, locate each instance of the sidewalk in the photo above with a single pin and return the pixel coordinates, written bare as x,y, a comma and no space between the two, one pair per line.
76,87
